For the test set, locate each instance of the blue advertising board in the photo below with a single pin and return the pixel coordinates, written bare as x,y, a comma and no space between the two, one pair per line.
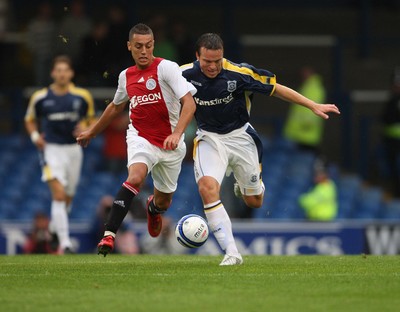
260,238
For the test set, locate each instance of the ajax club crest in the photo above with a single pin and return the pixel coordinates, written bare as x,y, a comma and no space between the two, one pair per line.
151,84
231,85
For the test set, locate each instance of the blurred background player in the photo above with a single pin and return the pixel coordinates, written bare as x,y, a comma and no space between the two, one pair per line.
161,107
54,116
302,126
226,142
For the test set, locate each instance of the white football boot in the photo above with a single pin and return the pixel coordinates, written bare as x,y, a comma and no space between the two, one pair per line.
232,260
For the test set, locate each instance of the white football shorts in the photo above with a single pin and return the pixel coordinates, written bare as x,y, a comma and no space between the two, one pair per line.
217,155
64,163
164,165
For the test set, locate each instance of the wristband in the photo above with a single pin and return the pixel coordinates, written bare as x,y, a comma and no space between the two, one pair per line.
35,136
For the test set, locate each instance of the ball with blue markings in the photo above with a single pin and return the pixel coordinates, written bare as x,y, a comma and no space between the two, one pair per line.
192,231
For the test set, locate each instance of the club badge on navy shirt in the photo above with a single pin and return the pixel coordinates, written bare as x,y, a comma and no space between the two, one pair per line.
76,104
231,85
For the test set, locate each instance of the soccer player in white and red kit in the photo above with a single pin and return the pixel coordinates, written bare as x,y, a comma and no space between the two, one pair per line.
161,107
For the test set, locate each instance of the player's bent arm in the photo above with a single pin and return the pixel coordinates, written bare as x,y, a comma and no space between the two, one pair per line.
290,95
188,109
112,110
187,112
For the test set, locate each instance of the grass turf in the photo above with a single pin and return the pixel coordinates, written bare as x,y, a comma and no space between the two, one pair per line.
196,283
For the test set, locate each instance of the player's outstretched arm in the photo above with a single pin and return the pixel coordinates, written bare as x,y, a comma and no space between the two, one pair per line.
108,115
188,109
290,95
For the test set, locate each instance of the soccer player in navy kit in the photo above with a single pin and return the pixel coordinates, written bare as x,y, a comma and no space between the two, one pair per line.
160,108
59,112
225,139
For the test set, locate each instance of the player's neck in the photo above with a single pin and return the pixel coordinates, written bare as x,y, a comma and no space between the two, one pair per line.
59,89
144,67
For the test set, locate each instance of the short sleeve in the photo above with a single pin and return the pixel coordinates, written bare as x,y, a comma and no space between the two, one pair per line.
35,98
172,74
121,95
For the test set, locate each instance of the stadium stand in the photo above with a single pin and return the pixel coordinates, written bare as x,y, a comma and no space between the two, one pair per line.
287,173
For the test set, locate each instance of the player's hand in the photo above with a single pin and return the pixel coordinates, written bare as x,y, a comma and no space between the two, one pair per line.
172,141
322,110
79,128
84,138
41,142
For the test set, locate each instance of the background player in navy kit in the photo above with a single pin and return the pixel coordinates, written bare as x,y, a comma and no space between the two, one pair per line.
161,107
60,112
225,139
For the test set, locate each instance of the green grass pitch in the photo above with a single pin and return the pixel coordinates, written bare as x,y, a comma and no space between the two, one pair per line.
196,283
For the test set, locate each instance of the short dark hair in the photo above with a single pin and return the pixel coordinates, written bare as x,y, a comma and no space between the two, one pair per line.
62,59
140,29
210,41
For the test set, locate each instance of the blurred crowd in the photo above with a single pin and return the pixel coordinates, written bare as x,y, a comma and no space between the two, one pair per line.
94,41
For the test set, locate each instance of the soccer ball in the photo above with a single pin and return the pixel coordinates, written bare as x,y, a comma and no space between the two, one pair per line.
191,231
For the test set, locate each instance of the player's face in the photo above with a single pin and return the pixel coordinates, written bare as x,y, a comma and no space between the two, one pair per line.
142,47
210,61
62,74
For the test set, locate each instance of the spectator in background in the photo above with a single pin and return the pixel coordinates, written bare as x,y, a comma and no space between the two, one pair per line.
118,58
183,41
114,148
126,242
166,243
41,41
94,56
5,48
74,26
391,133
39,239
165,47
320,203
302,126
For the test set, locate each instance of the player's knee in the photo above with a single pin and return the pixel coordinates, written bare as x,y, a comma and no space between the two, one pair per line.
60,196
135,180
207,188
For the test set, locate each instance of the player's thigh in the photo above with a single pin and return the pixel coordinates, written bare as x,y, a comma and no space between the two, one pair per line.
246,169
139,150
165,172
209,161
55,166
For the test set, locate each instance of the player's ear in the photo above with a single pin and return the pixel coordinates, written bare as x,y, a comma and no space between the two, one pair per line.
197,55
128,44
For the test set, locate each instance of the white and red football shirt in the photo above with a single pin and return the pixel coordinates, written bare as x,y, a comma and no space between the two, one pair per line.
154,95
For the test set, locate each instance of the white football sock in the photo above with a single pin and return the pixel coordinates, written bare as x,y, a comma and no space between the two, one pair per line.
220,224
59,219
